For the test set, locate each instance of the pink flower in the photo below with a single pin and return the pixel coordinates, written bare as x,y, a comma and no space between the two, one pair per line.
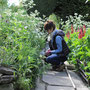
72,30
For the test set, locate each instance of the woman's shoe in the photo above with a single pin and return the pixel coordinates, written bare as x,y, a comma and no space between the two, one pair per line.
61,67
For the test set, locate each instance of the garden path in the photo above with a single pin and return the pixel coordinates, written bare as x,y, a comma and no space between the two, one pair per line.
53,80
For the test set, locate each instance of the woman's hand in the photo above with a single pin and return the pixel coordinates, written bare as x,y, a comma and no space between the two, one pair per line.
48,53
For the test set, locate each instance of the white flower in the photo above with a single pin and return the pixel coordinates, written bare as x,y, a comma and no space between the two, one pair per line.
26,27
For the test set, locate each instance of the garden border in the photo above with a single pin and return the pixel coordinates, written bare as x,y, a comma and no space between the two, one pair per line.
82,72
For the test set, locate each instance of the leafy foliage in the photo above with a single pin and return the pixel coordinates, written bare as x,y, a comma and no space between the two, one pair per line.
78,40
20,44
80,49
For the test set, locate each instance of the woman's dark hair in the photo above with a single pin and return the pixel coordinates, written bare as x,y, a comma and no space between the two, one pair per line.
49,24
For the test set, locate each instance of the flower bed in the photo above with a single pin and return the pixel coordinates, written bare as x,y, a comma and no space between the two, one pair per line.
79,43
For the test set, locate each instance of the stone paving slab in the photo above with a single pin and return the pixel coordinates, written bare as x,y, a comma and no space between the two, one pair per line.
77,80
56,78
64,88
59,88
53,80
82,89
40,85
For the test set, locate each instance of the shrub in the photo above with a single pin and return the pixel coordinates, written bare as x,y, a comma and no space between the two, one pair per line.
20,44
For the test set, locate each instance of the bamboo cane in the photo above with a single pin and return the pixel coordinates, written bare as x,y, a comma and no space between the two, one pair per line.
70,78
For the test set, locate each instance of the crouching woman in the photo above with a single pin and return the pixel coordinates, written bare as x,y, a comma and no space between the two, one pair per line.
57,54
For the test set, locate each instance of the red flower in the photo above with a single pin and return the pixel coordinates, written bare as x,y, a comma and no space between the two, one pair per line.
84,31
81,30
83,34
68,34
80,35
75,30
78,30
84,28
72,30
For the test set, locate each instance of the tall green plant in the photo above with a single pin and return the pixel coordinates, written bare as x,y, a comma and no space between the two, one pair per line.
80,48
20,44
